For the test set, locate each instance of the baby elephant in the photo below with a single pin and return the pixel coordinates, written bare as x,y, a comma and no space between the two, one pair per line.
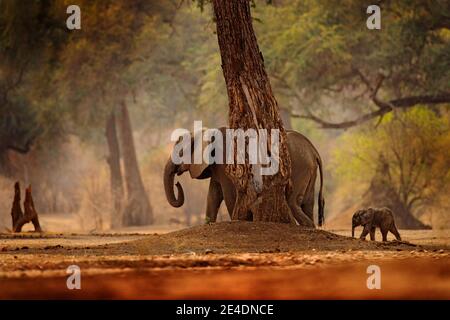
372,218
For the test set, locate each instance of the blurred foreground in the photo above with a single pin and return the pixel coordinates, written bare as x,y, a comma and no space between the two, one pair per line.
225,261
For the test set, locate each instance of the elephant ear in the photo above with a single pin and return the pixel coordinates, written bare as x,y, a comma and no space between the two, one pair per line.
366,216
196,169
356,215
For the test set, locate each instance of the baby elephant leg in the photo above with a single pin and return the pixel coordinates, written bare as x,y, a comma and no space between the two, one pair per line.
372,234
384,233
366,230
394,231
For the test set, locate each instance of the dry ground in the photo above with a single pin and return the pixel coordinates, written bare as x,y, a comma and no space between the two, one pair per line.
225,260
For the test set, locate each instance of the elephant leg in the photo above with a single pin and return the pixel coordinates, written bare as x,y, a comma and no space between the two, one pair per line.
308,200
372,234
297,198
384,233
365,232
394,231
229,196
298,213
215,197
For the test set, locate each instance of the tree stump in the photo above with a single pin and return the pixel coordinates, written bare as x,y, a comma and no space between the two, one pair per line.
16,210
30,214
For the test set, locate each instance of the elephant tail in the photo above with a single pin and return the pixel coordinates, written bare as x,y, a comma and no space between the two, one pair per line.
321,201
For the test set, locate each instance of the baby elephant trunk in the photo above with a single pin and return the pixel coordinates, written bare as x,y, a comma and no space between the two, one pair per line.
353,231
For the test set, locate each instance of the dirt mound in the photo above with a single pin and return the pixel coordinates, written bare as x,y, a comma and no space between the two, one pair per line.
237,237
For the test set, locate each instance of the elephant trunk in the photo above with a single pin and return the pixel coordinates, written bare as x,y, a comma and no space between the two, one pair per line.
353,231
169,176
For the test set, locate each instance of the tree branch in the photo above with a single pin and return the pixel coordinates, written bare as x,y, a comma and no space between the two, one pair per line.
384,108
20,149
345,124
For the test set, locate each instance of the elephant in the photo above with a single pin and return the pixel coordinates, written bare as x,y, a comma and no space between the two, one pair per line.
371,218
305,160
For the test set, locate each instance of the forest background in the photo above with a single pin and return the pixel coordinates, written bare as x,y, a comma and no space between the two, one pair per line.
72,103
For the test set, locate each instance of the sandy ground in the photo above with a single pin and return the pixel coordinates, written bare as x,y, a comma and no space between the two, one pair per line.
229,260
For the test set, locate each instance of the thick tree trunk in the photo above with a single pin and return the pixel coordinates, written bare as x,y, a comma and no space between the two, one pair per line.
252,105
404,217
382,194
137,210
113,160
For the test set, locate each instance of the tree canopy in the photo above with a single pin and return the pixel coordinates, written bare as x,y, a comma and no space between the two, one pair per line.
162,58
335,69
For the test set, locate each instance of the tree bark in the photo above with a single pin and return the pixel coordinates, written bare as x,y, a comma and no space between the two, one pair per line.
137,211
113,160
16,210
30,210
252,105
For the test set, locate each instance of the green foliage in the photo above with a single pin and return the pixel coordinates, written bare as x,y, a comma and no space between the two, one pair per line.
30,38
98,65
412,143
312,49
187,65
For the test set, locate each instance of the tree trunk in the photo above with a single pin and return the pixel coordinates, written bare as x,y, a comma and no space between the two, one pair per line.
286,118
252,105
188,215
382,194
137,211
16,210
115,171
30,213
6,169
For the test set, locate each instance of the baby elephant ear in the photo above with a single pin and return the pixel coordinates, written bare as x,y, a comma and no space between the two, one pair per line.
357,214
366,216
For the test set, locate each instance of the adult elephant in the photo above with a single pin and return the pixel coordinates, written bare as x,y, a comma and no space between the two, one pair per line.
305,161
